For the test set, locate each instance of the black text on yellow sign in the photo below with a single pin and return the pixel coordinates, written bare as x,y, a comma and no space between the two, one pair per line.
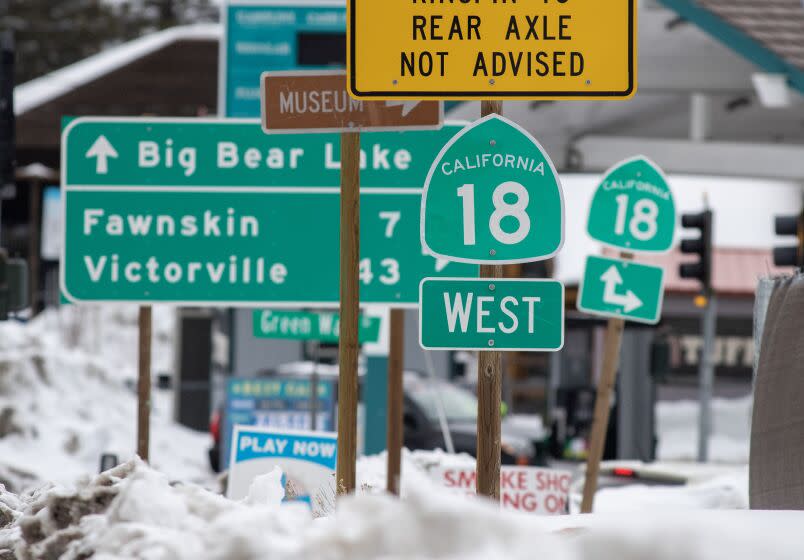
480,49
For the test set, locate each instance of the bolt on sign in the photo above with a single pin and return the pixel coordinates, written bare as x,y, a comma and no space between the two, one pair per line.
633,208
505,49
305,325
492,196
211,212
624,289
317,101
491,314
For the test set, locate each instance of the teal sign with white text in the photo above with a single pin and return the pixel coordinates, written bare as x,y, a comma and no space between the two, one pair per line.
633,208
215,212
624,289
492,196
260,35
491,314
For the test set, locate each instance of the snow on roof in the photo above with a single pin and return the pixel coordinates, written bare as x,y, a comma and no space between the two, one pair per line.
41,90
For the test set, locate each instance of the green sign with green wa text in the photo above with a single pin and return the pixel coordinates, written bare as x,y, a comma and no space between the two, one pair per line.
305,325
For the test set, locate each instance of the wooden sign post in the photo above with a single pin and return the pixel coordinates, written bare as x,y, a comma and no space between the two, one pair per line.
350,309
489,388
431,63
317,101
394,439
144,384
638,215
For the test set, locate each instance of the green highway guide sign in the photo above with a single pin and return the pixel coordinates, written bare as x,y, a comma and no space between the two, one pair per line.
625,289
633,208
306,325
215,212
491,314
492,196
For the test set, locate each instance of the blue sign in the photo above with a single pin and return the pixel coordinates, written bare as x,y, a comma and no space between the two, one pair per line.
262,35
307,460
279,403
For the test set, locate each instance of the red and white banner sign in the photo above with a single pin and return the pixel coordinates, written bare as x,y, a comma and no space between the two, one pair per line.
526,489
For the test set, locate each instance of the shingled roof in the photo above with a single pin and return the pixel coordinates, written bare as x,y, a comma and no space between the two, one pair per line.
769,33
777,24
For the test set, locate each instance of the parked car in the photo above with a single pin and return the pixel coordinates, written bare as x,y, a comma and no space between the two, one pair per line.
421,424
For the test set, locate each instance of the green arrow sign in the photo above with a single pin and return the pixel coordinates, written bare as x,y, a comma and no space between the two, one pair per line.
493,196
615,288
211,212
484,314
304,325
633,208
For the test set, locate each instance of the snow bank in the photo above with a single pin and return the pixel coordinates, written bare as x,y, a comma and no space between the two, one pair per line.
67,395
677,427
134,512
724,491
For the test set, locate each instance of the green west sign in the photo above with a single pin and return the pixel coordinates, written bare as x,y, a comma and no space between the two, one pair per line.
491,314
615,288
304,325
633,208
493,196
214,212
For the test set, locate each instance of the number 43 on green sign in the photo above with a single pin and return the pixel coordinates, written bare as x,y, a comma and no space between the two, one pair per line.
492,196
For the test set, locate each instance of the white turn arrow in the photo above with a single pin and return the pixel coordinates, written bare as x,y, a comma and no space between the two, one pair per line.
102,150
611,278
407,106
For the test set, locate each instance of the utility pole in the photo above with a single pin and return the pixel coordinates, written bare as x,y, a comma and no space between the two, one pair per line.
701,271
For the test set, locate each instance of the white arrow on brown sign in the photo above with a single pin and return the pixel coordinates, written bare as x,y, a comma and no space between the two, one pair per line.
317,101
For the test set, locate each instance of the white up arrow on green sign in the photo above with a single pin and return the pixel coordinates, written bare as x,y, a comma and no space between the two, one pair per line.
492,196
633,208
486,314
214,212
625,289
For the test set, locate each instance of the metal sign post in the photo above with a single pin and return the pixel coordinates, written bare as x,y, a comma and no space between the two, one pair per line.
706,374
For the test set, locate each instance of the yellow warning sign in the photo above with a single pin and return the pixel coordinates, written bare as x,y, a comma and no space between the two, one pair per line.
482,49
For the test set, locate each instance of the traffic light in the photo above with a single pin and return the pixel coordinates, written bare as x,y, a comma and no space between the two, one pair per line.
700,246
13,285
790,255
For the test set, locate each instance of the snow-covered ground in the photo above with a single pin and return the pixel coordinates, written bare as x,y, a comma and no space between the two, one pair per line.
67,395
134,512
677,430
